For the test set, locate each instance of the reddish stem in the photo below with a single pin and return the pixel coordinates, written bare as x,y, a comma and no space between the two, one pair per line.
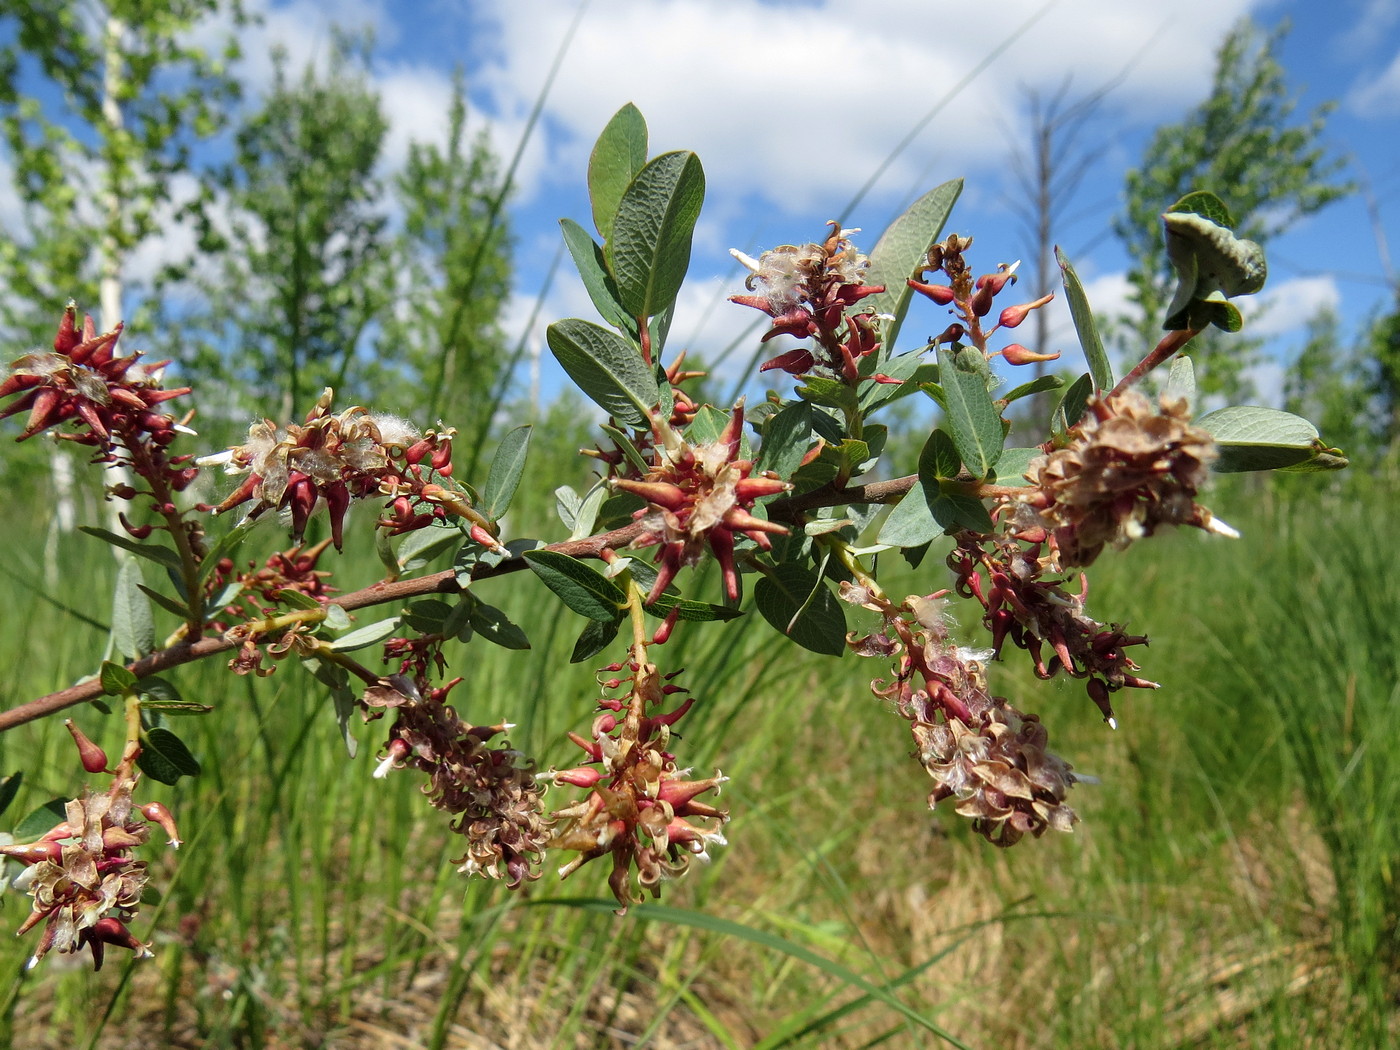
1170,344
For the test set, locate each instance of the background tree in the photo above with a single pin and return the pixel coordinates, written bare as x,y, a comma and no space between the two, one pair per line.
307,270
1243,142
93,174
453,259
1048,172
1382,347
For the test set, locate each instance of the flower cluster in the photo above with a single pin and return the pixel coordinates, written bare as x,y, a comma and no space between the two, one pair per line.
113,403
84,380
85,883
333,459
980,751
1128,469
491,791
639,808
971,300
1034,610
700,496
807,289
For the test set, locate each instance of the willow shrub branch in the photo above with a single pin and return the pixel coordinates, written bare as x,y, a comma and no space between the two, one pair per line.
789,509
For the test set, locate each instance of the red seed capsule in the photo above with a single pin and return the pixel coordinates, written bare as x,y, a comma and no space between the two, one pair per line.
94,759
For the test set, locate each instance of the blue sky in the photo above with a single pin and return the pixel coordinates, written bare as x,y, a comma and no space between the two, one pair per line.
793,104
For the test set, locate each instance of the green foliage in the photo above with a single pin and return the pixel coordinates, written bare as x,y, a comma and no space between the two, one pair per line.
618,155
975,423
583,589
133,626
1242,140
506,469
1251,438
794,512
646,213
307,266
795,601
901,249
453,261
136,96
165,757
1352,389
605,368
1084,325
648,246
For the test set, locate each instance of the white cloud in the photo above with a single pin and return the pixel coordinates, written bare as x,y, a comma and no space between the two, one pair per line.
1285,308
416,100
1377,95
302,28
1376,19
800,105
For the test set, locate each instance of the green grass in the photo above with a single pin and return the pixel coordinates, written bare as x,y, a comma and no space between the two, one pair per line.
1231,885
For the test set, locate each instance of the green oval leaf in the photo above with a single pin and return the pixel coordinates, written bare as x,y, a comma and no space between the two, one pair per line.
116,679
901,250
1253,438
593,269
911,522
1072,405
1011,467
648,250
165,757
583,589
619,153
798,604
421,547
1084,324
597,635
1259,425
607,368
428,615
133,629
787,434
1181,381
495,626
972,415
506,468
369,634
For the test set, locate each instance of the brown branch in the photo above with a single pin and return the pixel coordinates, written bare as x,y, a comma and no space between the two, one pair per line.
788,510
378,594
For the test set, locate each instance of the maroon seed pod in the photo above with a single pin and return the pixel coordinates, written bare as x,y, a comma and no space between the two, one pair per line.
1098,692
158,814
939,293
94,759
1014,315
1016,354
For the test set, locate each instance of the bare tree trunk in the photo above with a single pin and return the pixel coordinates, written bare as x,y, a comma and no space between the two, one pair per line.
111,252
